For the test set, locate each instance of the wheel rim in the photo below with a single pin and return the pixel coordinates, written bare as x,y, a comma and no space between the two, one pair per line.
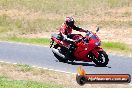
101,58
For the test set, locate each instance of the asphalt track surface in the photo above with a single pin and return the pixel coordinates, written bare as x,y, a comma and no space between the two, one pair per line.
42,57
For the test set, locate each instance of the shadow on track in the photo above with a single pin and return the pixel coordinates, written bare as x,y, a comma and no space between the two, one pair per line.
78,63
82,63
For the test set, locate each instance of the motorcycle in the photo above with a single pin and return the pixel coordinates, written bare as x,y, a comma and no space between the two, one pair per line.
87,49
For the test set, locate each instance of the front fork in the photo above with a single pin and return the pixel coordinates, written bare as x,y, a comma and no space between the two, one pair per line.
51,42
95,51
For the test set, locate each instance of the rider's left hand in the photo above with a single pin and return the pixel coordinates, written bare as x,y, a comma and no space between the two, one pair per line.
87,31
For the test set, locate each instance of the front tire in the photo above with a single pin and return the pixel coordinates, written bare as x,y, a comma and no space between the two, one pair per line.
102,59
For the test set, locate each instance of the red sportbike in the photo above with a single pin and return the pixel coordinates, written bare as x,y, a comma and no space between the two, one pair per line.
87,49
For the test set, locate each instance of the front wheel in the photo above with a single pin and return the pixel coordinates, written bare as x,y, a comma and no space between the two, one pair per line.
102,59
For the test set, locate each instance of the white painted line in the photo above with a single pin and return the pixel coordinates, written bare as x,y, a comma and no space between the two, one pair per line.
130,84
41,68
8,62
53,70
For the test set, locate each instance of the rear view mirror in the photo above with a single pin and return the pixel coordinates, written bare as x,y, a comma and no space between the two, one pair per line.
97,29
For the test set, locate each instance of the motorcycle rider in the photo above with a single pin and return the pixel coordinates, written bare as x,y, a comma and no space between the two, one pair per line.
65,33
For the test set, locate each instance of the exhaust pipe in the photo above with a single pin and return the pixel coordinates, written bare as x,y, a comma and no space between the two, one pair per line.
58,53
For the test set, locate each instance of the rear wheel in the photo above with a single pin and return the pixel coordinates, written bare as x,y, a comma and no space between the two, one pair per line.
102,59
57,56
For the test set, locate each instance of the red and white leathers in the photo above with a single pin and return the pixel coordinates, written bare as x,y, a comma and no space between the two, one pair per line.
66,31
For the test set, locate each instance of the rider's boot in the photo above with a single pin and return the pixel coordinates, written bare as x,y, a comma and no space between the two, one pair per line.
69,55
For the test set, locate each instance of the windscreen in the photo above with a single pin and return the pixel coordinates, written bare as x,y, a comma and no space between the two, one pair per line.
91,35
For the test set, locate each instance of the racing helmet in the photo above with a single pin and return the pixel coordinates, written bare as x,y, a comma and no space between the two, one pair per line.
69,21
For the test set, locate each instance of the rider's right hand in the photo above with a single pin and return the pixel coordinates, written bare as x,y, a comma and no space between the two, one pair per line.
87,31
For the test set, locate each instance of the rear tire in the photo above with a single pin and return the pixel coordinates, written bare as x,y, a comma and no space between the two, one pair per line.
57,56
102,60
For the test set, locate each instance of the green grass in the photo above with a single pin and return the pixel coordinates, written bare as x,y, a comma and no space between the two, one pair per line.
41,41
10,83
116,46
24,67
